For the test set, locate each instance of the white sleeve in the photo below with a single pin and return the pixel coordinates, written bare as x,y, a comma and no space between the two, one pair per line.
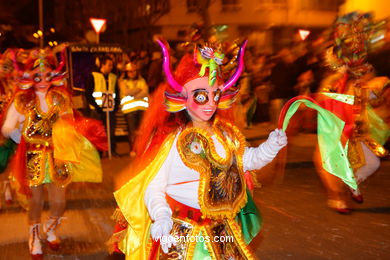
257,157
155,193
10,127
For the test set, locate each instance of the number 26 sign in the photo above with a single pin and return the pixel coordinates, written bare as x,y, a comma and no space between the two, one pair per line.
108,102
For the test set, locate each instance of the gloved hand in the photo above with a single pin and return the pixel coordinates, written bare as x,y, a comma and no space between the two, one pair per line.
161,229
277,139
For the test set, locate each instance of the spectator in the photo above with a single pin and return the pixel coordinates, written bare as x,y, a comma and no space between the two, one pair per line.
134,99
155,76
96,84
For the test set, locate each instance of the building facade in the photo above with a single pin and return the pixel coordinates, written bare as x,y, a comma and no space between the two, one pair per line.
268,24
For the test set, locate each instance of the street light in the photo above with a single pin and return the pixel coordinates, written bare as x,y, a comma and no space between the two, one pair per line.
97,25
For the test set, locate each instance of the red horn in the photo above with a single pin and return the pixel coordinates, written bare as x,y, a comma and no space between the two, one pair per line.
62,62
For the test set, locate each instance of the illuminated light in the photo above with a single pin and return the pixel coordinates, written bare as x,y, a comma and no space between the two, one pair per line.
303,34
36,35
55,43
52,30
378,38
40,33
51,44
97,94
222,27
97,24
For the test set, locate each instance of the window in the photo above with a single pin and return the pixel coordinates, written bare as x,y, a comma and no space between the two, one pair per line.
321,5
192,6
273,3
231,5
151,8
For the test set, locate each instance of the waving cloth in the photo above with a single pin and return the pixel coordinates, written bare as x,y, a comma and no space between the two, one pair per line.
330,129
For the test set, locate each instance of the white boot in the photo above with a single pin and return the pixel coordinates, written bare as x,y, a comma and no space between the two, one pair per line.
49,229
7,192
34,241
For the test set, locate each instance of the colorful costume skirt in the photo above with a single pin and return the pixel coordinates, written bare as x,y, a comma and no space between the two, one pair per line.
202,238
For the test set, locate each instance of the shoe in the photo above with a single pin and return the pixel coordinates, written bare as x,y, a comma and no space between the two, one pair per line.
339,206
34,242
343,211
357,196
49,229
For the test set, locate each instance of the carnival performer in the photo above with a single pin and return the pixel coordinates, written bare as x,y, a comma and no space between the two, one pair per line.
7,146
194,183
354,83
134,99
50,151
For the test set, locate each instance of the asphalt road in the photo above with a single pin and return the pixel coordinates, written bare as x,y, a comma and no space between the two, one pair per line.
297,223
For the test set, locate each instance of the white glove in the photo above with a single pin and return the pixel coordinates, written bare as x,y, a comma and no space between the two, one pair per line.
277,139
257,157
16,135
161,229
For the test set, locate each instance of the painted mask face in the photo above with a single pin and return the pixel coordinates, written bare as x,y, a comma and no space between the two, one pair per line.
202,100
42,78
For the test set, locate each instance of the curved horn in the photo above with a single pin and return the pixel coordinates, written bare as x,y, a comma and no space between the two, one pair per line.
240,66
62,62
167,66
14,62
22,79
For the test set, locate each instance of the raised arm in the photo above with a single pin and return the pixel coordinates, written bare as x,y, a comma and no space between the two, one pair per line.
257,157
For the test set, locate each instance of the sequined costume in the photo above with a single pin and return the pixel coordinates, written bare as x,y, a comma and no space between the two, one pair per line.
354,80
37,132
51,149
49,143
195,189
203,179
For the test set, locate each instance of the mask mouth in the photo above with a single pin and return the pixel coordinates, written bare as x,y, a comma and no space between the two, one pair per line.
42,87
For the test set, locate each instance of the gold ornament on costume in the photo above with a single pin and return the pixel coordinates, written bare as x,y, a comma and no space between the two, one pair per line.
37,131
233,247
222,188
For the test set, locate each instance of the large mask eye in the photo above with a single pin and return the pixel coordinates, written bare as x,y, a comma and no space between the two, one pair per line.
37,78
49,76
5,68
201,97
217,95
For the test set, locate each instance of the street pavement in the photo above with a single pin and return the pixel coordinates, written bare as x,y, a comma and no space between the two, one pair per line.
297,225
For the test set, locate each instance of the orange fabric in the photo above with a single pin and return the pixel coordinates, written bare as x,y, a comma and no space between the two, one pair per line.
91,129
19,169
